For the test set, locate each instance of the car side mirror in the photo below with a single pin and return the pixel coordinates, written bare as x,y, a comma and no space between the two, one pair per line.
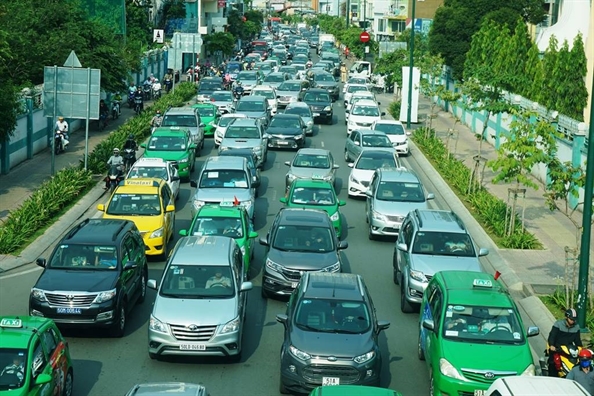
282,318
346,111
533,331
253,234
402,247
368,193
357,144
283,200
288,163
264,241
41,262
408,134
43,379
143,145
170,208
341,203
379,103
183,232
351,164
382,325
193,183
430,196
202,125
428,324
335,166
151,284
192,147
246,286
383,113
343,245
130,265
174,178
483,252
101,207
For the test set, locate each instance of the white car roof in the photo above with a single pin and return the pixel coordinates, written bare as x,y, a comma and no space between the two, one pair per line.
233,115
366,102
389,122
147,162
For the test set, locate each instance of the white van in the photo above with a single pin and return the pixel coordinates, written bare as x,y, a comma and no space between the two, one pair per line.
535,386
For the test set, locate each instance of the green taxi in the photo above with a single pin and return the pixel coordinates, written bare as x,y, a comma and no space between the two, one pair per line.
229,220
172,144
34,358
353,390
471,333
209,114
315,194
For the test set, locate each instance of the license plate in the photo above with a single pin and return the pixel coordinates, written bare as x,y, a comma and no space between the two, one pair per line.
283,142
316,114
69,311
329,381
480,392
294,285
192,347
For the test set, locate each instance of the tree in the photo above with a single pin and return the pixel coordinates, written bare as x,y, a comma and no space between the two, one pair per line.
172,9
527,144
569,73
220,41
8,99
549,62
534,74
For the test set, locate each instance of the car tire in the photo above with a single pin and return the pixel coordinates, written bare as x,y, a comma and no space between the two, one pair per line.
420,352
68,384
431,382
370,234
405,306
281,387
118,328
143,282
264,294
395,267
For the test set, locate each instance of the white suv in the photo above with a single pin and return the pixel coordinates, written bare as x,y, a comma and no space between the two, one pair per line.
362,115
270,94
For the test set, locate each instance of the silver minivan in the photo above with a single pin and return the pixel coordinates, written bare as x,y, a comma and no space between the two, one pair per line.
201,300
186,117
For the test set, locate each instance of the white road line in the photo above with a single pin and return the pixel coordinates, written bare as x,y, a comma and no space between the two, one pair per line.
21,273
322,143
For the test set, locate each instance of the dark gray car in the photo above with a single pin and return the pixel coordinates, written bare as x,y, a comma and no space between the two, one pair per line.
255,106
328,82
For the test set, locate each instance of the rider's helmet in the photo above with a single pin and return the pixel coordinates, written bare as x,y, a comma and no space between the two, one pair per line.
60,118
131,137
238,82
116,150
585,357
158,113
571,314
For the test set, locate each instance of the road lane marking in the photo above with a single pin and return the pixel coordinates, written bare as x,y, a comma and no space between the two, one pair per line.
21,273
322,144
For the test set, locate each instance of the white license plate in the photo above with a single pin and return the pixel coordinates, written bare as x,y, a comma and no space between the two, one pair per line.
329,381
192,347
294,285
480,392
316,114
69,311
283,142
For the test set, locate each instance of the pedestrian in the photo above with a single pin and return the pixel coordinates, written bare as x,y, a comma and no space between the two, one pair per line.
343,73
582,372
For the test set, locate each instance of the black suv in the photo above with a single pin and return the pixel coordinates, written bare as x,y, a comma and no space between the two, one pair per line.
320,103
331,334
300,240
94,277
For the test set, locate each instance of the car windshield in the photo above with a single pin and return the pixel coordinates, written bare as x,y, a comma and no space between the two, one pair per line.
375,162
284,122
376,141
312,196
225,121
265,67
222,96
233,67
311,161
206,111
237,132
249,156
324,77
123,204
332,316
167,143
249,76
274,78
84,257
170,120
303,239
316,97
288,70
224,178
357,80
247,105
222,226
356,88
443,244
390,129
209,86
267,93
195,281
482,325
290,87
369,111
159,172
302,111
13,363
400,192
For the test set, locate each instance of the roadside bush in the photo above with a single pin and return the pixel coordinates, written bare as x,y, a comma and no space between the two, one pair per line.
486,208
394,110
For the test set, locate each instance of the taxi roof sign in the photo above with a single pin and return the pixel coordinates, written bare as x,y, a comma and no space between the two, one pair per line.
10,322
227,204
486,283
140,182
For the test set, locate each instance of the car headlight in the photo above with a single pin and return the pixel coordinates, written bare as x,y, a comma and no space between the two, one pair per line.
158,233
257,150
299,354
231,326
310,123
354,179
378,216
335,216
291,177
247,205
198,204
446,368
327,108
299,137
184,160
223,148
38,294
274,266
219,133
530,371
332,268
352,123
105,296
418,276
156,325
365,357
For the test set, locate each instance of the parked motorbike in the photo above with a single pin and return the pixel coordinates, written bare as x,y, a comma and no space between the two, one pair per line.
156,90
114,176
137,105
129,158
564,358
115,109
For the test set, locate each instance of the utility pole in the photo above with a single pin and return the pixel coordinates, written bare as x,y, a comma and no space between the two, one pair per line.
411,64
348,13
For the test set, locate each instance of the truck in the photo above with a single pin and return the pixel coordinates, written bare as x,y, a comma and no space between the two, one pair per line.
361,69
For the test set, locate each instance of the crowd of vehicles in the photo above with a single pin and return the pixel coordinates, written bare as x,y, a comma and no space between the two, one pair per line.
98,272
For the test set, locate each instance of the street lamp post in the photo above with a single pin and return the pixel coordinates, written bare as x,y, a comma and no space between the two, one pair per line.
411,64
348,13
586,223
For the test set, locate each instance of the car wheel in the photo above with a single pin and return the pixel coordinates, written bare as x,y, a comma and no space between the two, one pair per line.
143,281
431,382
370,234
405,306
420,352
281,387
395,266
68,384
346,156
117,329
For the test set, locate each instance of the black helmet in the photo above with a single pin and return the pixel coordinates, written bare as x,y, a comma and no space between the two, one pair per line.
571,314
131,136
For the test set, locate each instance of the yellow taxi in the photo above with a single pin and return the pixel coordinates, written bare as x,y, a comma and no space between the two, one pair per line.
149,203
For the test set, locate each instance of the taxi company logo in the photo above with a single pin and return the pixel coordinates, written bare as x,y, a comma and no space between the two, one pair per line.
70,297
192,327
331,358
489,375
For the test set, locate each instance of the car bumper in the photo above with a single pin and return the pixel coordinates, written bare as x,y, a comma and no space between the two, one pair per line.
218,139
96,315
385,227
305,377
277,285
450,386
285,102
153,246
402,148
280,143
356,189
218,345
414,290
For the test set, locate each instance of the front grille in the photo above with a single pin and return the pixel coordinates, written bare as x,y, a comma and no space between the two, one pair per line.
364,124
285,98
397,219
292,275
70,300
486,376
365,183
347,375
183,333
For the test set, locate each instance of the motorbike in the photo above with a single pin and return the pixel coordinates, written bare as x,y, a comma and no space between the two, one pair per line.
59,145
156,90
137,105
168,84
129,158
115,109
131,92
147,90
114,176
237,94
564,358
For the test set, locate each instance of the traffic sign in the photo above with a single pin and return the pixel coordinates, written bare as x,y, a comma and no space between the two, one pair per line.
364,37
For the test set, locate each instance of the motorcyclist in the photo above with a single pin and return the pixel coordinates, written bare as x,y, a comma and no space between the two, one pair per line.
103,111
238,90
117,98
139,95
62,128
168,80
563,332
131,143
117,160
582,373
157,119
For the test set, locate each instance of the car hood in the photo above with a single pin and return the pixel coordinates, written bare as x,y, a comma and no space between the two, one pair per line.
307,120
308,173
145,224
509,357
240,143
397,138
200,312
287,93
252,114
167,155
318,105
362,174
219,103
396,208
283,131
249,82
430,264
326,84
306,261
331,344
77,280
362,118
223,194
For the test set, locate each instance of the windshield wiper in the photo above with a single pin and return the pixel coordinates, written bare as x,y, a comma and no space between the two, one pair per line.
171,295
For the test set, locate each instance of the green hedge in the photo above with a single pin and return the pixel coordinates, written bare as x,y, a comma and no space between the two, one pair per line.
489,210
69,184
